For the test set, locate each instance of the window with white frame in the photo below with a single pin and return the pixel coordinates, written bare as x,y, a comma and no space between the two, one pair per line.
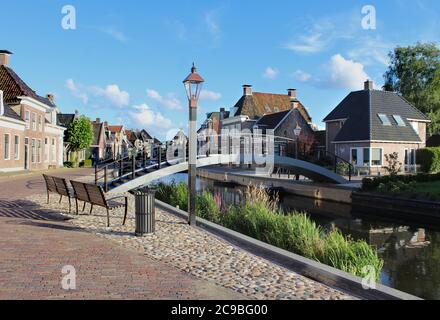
376,156
40,123
33,155
39,152
415,126
46,149
399,121
34,121
17,147
354,157
384,119
27,118
54,150
7,152
366,157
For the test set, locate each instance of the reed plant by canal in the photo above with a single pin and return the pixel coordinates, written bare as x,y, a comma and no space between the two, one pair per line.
260,217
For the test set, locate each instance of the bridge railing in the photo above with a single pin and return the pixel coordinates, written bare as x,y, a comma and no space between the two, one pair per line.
170,153
334,161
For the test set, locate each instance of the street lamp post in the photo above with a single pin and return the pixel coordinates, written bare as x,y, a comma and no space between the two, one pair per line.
297,132
193,86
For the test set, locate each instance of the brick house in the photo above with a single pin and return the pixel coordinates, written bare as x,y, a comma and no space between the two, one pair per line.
30,137
97,147
282,113
284,124
369,124
254,105
116,141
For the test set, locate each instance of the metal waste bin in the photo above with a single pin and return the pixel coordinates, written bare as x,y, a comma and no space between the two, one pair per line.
145,205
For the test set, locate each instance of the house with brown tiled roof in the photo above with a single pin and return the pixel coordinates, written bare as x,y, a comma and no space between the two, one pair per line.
97,147
117,144
31,138
282,113
254,105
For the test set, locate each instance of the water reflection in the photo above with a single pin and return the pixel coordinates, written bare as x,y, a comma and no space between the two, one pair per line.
411,252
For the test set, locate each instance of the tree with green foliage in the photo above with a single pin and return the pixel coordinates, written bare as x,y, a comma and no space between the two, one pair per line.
414,72
80,135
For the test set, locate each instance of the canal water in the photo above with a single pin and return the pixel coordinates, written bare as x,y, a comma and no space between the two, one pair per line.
411,252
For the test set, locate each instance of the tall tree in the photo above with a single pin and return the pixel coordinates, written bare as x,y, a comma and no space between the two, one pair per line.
80,135
414,72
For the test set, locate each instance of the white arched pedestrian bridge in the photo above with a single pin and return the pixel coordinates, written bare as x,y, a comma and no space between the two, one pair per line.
147,174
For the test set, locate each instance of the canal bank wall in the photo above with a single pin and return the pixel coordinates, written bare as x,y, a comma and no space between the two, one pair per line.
318,191
311,269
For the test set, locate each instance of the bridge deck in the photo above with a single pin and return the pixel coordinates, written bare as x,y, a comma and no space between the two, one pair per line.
149,174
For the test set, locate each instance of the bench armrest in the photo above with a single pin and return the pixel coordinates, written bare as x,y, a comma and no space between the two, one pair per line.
119,197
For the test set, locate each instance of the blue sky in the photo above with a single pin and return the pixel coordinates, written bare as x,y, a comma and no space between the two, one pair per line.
126,60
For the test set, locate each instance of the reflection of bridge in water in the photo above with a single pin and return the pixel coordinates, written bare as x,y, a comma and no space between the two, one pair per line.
131,173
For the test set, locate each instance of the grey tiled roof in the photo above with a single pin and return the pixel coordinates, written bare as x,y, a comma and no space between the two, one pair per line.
361,109
271,121
11,113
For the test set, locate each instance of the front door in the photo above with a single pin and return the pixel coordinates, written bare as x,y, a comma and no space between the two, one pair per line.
26,153
410,160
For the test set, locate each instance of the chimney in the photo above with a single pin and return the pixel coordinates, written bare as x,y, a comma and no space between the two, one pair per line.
292,94
98,120
50,97
2,106
247,90
4,57
368,85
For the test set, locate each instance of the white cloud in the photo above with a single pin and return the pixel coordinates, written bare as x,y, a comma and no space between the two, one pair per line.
169,102
210,95
344,74
142,115
96,96
312,43
212,24
76,91
270,73
372,51
301,76
113,94
115,34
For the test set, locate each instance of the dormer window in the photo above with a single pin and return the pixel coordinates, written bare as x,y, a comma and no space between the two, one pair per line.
266,109
384,119
399,121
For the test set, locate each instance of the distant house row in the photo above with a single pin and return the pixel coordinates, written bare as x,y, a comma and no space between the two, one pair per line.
365,127
33,131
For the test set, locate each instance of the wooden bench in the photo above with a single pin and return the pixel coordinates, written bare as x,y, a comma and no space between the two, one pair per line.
58,186
93,194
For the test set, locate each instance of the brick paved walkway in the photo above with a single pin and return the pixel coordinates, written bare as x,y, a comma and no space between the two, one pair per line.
35,245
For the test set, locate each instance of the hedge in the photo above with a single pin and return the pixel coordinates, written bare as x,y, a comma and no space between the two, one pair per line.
429,159
371,184
86,163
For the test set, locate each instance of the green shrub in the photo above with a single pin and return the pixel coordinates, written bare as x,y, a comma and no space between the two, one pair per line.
298,234
429,159
207,208
260,217
343,168
372,184
69,164
86,163
173,194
